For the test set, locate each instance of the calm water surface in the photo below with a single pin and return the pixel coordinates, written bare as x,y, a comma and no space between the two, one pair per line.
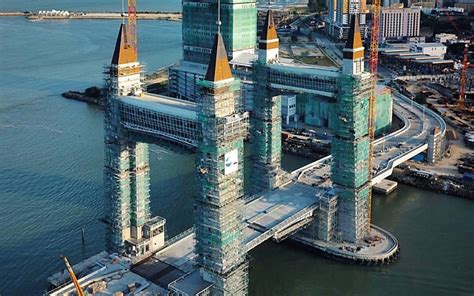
51,157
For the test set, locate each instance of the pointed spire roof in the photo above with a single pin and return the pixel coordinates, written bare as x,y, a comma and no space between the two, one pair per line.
269,30
124,53
354,39
219,68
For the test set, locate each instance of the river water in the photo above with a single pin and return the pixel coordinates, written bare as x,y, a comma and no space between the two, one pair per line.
51,158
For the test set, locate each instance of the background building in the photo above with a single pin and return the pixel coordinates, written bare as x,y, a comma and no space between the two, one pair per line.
468,5
422,3
238,29
397,22
339,16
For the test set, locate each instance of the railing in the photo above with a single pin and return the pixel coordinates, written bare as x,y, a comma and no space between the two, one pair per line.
301,215
179,236
324,160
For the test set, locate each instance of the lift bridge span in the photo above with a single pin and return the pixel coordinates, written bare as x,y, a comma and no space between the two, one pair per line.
281,212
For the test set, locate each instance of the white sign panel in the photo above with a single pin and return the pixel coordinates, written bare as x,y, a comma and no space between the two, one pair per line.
231,162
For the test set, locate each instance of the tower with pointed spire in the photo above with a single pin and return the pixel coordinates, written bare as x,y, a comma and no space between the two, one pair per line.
124,74
268,43
265,134
126,169
353,52
350,144
219,218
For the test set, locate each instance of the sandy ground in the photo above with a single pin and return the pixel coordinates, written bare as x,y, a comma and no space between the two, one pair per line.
448,165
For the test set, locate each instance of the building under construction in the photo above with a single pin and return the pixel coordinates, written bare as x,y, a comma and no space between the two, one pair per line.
219,163
266,114
350,146
126,170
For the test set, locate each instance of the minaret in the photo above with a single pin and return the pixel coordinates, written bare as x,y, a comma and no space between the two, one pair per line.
353,52
350,144
268,44
219,162
124,76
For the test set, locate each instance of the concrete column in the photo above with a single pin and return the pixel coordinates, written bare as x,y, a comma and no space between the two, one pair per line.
265,135
126,182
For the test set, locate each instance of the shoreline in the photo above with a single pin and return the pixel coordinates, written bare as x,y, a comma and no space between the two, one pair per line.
78,15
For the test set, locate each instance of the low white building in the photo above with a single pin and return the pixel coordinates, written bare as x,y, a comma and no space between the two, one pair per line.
288,108
445,38
430,49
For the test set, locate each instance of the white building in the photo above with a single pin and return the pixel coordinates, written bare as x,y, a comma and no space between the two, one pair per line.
397,22
288,108
431,49
445,38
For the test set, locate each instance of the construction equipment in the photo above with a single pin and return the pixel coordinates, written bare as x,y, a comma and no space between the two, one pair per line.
132,25
463,77
373,63
79,290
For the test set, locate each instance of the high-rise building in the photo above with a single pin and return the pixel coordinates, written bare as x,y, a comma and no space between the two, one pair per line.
339,16
238,30
399,22
350,144
220,223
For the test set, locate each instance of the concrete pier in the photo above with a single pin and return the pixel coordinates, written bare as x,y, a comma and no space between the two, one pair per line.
379,247
385,187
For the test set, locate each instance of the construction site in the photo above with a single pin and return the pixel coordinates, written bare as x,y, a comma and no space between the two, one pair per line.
324,206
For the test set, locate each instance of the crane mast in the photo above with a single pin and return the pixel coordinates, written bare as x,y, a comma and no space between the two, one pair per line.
373,62
132,24
79,290
463,77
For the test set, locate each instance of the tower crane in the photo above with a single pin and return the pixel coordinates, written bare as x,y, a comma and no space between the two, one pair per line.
463,77
132,24
79,290
373,62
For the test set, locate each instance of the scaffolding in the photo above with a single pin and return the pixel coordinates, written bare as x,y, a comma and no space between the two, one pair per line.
165,125
327,218
219,202
126,180
265,133
350,150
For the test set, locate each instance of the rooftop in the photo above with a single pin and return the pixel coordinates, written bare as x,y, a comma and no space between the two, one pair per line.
430,44
163,104
191,284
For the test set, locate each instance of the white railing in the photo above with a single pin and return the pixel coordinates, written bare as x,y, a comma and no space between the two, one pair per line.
301,215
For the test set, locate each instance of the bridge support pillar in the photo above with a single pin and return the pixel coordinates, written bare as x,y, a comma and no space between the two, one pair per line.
126,181
265,134
219,162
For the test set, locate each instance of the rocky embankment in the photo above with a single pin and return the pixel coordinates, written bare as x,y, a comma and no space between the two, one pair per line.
92,95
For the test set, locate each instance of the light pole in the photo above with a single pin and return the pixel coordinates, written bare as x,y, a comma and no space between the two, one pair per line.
383,143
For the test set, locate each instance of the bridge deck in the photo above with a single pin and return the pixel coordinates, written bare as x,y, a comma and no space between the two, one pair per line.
273,211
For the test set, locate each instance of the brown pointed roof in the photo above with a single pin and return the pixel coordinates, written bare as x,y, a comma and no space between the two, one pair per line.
218,68
354,39
124,53
269,30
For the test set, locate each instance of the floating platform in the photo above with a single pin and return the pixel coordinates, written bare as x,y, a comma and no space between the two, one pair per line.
380,247
385,187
